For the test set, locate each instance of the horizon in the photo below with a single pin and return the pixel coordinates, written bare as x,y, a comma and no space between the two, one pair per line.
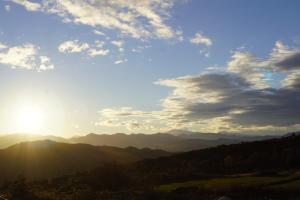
77,67
170,132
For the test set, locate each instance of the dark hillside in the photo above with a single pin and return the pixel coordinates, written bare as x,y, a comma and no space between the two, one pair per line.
269,155
46,159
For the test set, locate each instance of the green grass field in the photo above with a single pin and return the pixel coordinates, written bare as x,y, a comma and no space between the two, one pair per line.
276,182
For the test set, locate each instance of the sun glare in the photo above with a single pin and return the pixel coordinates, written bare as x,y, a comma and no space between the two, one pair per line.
30,119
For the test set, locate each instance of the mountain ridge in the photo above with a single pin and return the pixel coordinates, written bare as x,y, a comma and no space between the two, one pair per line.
177,141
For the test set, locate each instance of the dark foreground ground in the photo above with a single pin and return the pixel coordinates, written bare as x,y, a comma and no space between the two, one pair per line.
283,186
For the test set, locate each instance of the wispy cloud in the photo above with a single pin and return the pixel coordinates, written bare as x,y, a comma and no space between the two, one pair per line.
73,46
98,32
92,50
30,6
131,119
2,46
7,8
99,52
138,19
117,62
200,39
119,44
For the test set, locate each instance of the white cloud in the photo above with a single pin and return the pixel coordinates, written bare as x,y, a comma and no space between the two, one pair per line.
237,99
199,38
131,125
7,8
2,46
19,56
248,66
255,70
291,79
122,112
45,64
30,6
128,118
73,46
284,58
99,43
98,32
139,49
92,50
287,60
120,61
179,35
136,18
205,52
118,43
24,56
100,52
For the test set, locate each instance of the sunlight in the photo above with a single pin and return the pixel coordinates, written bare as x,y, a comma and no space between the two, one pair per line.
34,113
30,119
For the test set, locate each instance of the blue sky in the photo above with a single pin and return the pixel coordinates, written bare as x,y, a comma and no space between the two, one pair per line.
94,94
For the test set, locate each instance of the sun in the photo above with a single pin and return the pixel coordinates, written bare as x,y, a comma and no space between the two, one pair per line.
30,119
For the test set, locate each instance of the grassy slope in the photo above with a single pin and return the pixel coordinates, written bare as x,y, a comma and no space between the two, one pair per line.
271,182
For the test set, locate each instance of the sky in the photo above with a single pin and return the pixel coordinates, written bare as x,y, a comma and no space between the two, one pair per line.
72,67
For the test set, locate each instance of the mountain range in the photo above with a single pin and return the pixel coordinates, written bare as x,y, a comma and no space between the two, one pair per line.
172,141
46,158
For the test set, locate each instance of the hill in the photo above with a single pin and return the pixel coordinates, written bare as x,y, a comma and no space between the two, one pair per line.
219,136
247,157
46,159
11,139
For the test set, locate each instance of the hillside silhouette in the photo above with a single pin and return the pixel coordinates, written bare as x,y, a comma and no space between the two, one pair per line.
247,157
